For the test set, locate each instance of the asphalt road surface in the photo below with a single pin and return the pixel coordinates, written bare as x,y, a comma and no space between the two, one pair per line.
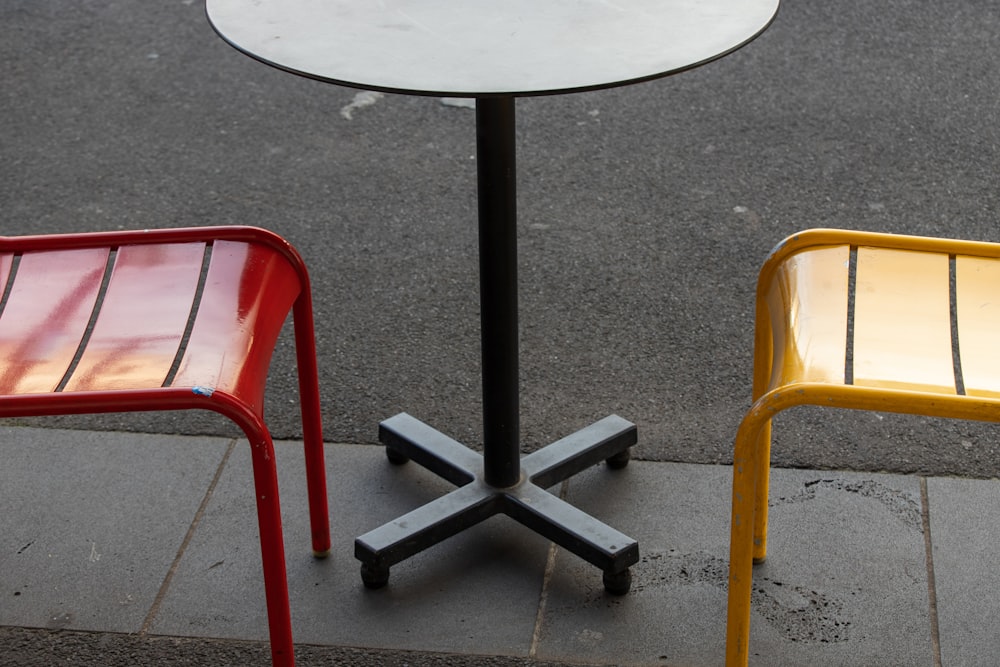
645,211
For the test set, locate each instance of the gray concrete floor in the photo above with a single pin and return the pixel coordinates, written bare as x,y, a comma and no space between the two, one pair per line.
854,576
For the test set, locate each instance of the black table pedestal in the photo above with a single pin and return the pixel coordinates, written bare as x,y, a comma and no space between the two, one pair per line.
500,481
527,501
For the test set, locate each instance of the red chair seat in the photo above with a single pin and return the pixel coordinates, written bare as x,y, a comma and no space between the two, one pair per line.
167,320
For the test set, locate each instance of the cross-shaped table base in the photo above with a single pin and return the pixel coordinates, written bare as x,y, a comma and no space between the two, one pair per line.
528,502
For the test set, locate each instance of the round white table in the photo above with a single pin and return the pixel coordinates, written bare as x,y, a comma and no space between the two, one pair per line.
493,51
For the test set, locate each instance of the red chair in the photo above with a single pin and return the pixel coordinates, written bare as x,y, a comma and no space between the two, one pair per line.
167,320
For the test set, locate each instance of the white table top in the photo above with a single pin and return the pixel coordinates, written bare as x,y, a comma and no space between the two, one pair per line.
470,48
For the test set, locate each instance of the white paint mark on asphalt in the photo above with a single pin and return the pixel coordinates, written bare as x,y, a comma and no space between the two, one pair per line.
365,98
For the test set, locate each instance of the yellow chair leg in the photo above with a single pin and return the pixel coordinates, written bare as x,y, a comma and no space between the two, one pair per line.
762,468
741,548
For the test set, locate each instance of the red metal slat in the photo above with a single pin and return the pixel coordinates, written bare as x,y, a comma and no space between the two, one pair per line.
6,261
248,292
143,318
46,316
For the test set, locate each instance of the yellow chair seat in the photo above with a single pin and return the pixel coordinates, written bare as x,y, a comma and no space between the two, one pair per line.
863,321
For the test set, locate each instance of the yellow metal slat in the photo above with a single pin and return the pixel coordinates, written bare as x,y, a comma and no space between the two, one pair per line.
811,290
977,283
902,316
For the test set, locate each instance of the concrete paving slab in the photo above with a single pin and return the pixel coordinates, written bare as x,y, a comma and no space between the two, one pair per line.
845,582
675,613
476,593
92,522
964,534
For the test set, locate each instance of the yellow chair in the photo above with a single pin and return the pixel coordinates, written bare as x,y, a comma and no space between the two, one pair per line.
862,321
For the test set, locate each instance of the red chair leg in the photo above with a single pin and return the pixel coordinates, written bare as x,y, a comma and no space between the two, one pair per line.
272,547
305,350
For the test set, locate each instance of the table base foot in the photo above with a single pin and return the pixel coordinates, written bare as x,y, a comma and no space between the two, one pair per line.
406,438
